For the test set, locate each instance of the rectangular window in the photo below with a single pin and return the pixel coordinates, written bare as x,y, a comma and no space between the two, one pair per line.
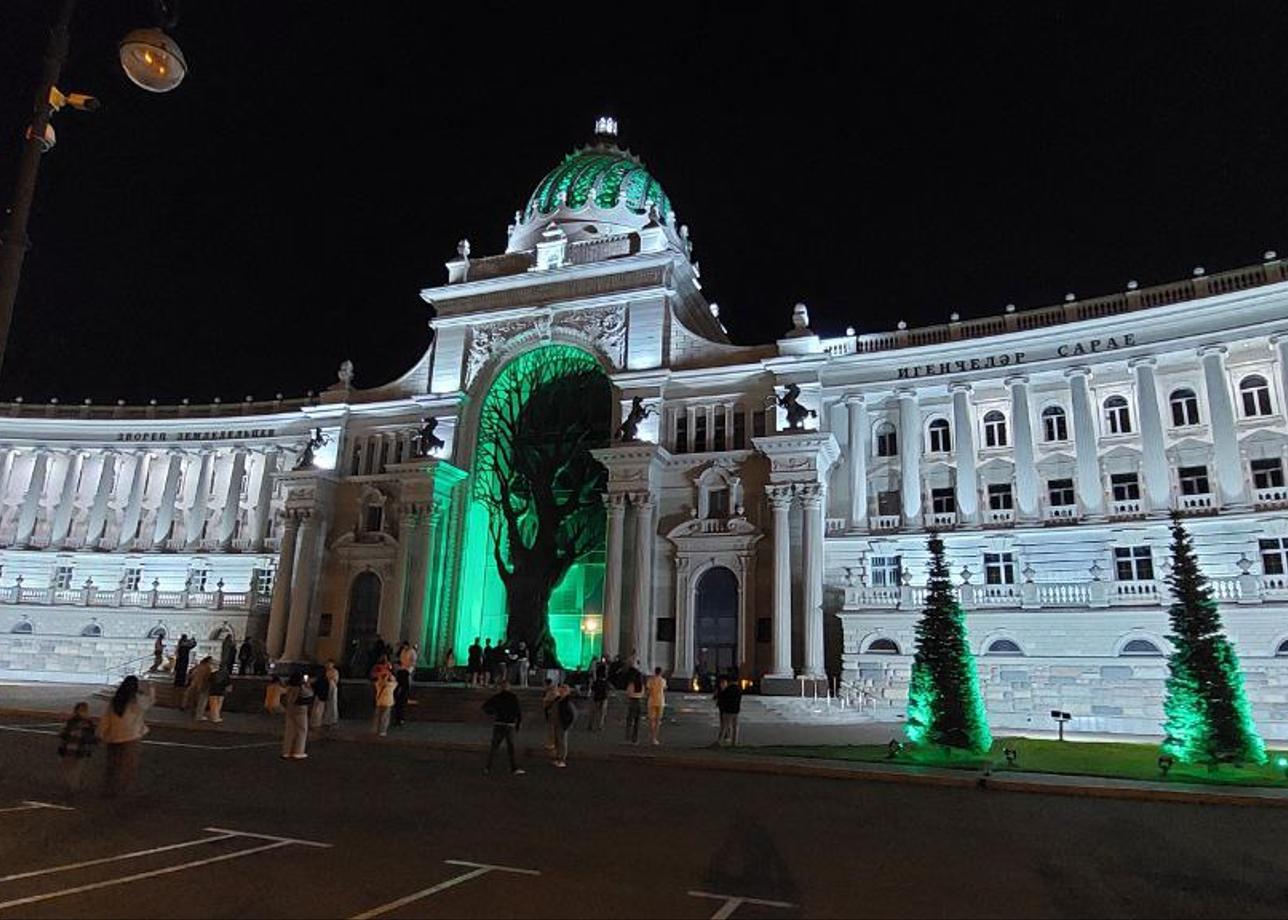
999,568
888,503
719,439
1134,563
63,577
739,429
887,571
375,519
1060,492
682,434
700,433
197,579
263,580
1194,480
942,501
718,503
758,426
999,497
1274,556
1268,474
133,578
1126,487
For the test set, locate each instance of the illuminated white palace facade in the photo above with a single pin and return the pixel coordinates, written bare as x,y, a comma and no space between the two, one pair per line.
1048,446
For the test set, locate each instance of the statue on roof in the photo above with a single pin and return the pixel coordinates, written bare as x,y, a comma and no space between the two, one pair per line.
316,440
796,413
800,322
629,429
345,373
426,441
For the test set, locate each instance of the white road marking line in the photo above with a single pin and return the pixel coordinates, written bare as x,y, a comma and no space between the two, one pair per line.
32,806
478,869
177,744
300,841
224,857
732,902
107,859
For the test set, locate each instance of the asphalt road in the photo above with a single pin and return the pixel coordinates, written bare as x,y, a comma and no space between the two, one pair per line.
598,839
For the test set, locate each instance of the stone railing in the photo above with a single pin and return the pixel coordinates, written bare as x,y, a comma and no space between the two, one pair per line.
1273,496
90,595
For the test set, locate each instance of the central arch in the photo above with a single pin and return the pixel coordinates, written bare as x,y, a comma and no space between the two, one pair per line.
715,624
362,622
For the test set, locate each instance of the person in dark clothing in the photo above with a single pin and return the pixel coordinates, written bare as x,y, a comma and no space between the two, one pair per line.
158,653
599,697
182,651
227,653
245,655
507,716
474,663
565,717
729,702
489,661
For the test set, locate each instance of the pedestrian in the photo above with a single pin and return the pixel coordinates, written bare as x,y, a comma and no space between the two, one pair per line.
523,662
295,733
565,718
220,684
449,666
384,688
321,695
158,653
121,729
474,663
182,651
273,693
331,675
402,674
245,657
729,703
228,653
634,704
489,661
507,716
656,690
599,699
548,700
199,688
381,667
75,744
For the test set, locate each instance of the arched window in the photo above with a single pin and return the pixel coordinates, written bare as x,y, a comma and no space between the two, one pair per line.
1003,647
1117,415
994,429
1255,393
1185,407
1282,651
1055,425
887,440
93,630
941,440
22,628
883,647
1141,648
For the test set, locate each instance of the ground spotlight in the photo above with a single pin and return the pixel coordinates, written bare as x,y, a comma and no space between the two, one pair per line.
1282,763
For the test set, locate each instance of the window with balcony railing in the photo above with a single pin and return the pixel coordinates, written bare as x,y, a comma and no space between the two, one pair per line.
887,440
999,568
889,503
1060,493
63,577
1274,556
1000,497
262,579
1193,480
1185,407
1268,473
197,580
1125,486
942,501
133,578
1254,393
887,571
1133,563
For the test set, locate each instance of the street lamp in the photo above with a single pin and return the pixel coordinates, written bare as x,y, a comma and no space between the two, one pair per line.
590,626
151,59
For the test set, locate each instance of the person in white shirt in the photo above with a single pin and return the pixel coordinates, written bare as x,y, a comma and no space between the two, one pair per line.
655,689
121,729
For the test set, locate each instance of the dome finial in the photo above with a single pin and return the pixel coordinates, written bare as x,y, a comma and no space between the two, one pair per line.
606,126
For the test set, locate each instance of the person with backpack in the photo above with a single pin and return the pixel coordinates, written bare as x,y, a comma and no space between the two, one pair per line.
507,716
295,735
565,716
729,703
634,704
75,744
599,699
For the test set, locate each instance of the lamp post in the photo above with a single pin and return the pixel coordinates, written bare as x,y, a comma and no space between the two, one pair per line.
590,626
151,60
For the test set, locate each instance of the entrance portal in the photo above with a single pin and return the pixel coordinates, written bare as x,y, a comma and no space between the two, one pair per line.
715,625
363,621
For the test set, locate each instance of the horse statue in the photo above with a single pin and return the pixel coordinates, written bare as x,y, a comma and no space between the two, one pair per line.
796,413
316,440
629,429
426,441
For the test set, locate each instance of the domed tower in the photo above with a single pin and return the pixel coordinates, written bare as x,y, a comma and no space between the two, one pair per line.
597,191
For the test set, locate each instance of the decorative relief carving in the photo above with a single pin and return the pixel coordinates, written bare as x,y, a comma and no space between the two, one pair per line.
603,329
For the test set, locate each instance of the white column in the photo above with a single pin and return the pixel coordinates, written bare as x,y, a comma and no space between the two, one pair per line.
909,456
683,618
169,495
1091,493
302,586
412,624
262,513
395,596
1153,467
1225,433
1280,343
67,499
643,577
200,498
279,611
232,497
616,508
102,494
967,478
1026,470
134,500
857,457
780,501
812,562
6,474
31,500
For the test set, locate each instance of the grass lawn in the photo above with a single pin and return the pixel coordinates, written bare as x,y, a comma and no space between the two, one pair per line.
1113,759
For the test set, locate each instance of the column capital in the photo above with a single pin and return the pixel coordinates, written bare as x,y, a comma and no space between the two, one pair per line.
811,494
294,517
615,502
1017,380
1080,370
905,393
780,496
1212,350
1143,361
1279,338
853,399
641,500
959,386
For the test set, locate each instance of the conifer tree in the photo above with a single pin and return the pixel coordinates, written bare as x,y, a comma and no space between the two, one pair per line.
945,707
1207,712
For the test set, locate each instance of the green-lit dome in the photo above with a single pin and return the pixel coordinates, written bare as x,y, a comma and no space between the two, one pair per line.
604,176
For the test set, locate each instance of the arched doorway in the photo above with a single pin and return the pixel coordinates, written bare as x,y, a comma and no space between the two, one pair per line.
715,625
363,618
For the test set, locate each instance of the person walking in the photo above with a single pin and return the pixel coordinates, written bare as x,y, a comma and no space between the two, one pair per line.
199,688
523,662
245,656
295,729
220,683
634,704
273,693
489,661
75,745
121,729
548,700
182,651
383,687
507,715
331,676
729,703
321,694
402,674
656,691
474,663
228,653
381,667
158,653
565,718
599,700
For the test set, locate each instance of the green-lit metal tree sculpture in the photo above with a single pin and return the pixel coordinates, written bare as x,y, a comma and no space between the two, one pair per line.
945,706
542,486
1207,714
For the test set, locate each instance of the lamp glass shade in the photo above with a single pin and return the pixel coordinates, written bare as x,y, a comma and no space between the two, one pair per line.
152,60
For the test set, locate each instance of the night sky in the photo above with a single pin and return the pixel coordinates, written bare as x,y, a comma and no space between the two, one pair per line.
280,211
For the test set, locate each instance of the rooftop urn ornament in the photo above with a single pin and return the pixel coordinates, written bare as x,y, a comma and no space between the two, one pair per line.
796,413
345,373
316,440
463,247
426,441
628,431
800,322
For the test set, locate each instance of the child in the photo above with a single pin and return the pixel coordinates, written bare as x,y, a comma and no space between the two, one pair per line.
384,688
273,696
75,744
